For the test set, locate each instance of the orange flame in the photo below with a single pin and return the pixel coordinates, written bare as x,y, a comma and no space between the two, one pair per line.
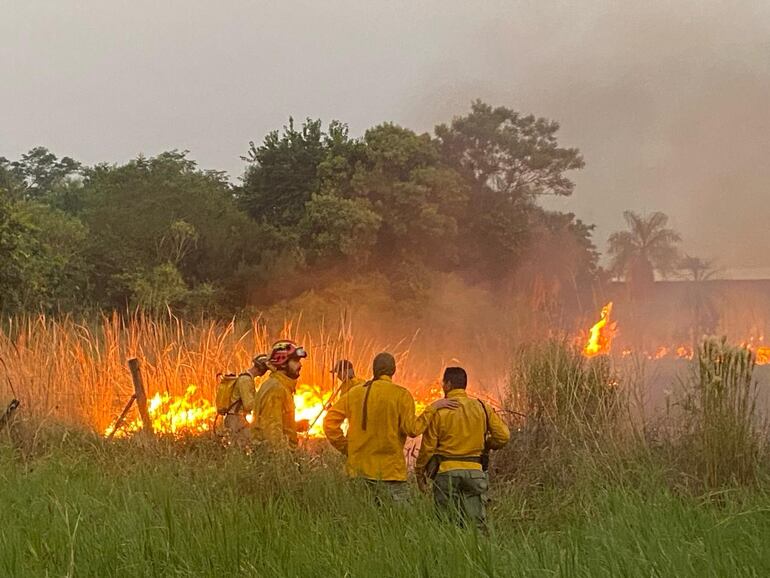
601,334
173,415
309,405
763,355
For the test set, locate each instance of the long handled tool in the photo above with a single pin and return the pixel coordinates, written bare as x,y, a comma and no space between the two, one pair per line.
122,416
326,407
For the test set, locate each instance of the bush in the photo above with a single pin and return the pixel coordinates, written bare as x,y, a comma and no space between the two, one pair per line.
720,441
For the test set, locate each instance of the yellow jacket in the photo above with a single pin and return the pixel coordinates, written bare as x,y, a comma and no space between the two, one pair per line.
460,433
376,453
349,384
245,391
274,411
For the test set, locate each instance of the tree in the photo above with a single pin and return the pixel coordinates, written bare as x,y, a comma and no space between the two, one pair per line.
283,173
418,200
164,210
507,160
647,247
509,153
41,262
339,230
37,175
560,264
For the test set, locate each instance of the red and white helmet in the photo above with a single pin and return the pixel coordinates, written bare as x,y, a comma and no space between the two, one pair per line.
285,350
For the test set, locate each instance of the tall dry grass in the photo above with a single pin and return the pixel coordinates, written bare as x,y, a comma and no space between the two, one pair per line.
722,436
75,373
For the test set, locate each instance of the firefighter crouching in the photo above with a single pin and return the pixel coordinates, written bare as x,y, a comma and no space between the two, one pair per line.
236,396
380,416
274,421
455,452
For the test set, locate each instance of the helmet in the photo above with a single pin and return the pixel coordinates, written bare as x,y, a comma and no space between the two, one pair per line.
283,351
343,365
260,362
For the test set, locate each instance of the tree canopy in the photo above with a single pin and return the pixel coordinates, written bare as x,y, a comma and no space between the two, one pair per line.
314,204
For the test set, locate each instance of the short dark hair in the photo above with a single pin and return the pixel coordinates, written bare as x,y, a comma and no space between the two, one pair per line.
456,377
384,364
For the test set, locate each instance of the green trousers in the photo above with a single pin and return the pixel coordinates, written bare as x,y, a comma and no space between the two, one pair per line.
388,492
460,495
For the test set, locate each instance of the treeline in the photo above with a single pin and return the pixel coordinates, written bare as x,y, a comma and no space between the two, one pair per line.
313,206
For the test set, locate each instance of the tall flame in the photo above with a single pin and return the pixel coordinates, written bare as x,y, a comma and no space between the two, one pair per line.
601,334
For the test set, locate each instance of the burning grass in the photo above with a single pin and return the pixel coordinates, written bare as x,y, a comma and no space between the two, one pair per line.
579,491
75,373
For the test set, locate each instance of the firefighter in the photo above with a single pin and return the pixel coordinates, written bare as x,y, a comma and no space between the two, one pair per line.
380,416
344,371
243,394
455,452
274,421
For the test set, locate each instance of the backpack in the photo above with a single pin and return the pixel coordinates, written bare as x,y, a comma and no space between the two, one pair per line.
224,393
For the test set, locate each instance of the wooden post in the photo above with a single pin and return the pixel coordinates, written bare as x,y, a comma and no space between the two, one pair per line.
141,396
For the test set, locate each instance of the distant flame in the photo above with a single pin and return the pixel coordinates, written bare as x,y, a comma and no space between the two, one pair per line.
601,334
763,355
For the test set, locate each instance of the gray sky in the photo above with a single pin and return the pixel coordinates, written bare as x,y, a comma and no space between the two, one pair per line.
668,101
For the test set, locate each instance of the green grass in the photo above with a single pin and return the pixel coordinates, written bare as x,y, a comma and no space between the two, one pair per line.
77,506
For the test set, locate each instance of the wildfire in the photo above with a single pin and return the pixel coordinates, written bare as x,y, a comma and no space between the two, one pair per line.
309,405
763,355
173,415
601,334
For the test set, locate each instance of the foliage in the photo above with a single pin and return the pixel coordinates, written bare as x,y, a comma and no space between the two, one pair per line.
314,204
509,153
507,160
646,247
722,438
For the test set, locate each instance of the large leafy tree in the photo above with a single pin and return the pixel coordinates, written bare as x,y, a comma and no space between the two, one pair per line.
418,199
647,246
39,175
164,212
41,262
504,151
282,173
507,160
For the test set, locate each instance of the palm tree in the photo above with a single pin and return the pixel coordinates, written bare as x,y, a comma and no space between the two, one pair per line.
647,247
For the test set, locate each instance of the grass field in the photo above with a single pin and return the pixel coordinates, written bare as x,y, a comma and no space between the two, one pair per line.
77,506
588,486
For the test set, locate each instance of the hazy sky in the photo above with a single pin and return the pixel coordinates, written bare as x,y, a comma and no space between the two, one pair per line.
668,101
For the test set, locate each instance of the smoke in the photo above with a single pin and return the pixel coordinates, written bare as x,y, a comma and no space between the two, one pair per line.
667,101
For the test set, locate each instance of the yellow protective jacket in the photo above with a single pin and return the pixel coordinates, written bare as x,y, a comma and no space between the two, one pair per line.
274,411
245,391
349,384
460,433
376,453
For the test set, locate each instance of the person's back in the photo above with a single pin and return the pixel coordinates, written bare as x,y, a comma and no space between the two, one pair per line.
380,416
375,444
453,447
